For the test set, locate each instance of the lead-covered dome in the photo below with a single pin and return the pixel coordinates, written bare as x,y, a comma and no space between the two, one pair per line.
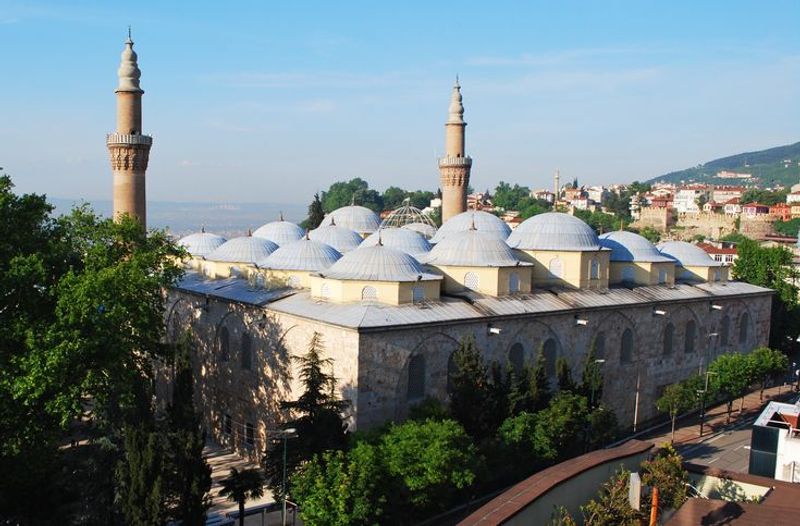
477,219
341,238
280,232
408,241
357,218
425,229
687,254
246,249
378,263
554,231
629,247
472,248
303,254
201,243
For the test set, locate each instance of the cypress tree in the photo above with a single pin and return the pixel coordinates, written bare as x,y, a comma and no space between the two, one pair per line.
564,376
315,213
538,383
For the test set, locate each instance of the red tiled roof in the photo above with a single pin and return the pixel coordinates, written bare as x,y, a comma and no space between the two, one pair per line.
711,249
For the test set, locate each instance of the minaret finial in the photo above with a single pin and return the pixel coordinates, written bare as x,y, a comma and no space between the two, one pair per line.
129,34
333,221
307,238
457,84
456,109
129,73
249,232
281,215
203,229
472,226
380,239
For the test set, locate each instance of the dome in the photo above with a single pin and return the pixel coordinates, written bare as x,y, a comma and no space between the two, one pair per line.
554,231
201,244
378,263
472,248
627,246
303,254
410,215
246,249
280,232
404,240
482,221
341,238
687,254
425,229
356,218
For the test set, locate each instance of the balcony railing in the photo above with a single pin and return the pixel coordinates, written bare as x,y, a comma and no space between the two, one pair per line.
455,161
128,138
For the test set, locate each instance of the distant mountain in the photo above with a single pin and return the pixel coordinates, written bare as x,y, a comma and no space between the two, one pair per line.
775,166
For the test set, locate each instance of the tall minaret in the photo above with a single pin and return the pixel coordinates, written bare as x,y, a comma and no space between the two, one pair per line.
455,166
129,148
557,185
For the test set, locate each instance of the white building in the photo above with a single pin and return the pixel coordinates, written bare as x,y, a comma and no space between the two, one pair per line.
685,200
775,443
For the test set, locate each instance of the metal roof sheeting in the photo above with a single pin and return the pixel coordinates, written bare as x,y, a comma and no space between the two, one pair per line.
280,232
554,231
201,244
233,289
482,221
341,238
357,218
378,263
303,254
245,249
472,248
687,254
404,240
630,247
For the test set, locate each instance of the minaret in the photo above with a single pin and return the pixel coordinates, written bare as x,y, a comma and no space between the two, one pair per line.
557,186
455,166
129,148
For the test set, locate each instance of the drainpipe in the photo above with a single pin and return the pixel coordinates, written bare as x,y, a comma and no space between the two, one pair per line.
654,507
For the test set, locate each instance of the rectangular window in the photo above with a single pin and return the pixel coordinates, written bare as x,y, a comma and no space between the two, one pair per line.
227,425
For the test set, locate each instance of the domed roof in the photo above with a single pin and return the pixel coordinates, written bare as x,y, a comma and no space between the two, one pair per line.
425,229
356,218
303,254
404,240
687,254
627,246
554,231
378,263
482,221
201,243
245,249
472,248
341,238
280,232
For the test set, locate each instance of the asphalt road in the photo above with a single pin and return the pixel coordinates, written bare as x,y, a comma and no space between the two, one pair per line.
727,450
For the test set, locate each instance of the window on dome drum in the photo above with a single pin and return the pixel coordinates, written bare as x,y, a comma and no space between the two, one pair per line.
669,335
717,275
744,322
294,282
259,282
452,369
555,268
418,294
628,274
369,294
626,347
594,269
416,378
246,352
224,345
724,330
236,272
690,337
513,282
227,424
324,291
516,358
662,277
550,351
600,346
471,281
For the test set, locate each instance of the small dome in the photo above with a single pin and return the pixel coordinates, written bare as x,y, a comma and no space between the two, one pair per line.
356,218
246,249
378,263
687,254
201,244
425,229
341,238
303,254
408,241
554,231
482,221
280,232
472,248
627,246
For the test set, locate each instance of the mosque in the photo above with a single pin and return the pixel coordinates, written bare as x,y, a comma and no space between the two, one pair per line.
390,301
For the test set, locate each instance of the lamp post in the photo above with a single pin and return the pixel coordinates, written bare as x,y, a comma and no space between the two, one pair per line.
703,401
285,435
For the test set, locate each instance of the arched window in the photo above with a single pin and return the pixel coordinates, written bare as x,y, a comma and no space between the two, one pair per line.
369,294
416,378
555,268
628,274
669,335
418,294
626,347
246,352
724,330
550,352
260,281
600,346
662,277
744,323
594,269
224,345
471,281
516,357
325,291
513,282
295,282
452,369
690,337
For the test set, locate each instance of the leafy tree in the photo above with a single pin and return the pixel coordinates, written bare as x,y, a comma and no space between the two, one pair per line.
517,434
471,396
535,207
421,198
650,234
787,228
319,425
393,197
676,399
315,214
429,408
731,376
592,380
612,508
508,197
343,193
601,221
564,376
765,197
734,237
765,363
538,384
559,429
562,517
665,472
241,486
603,427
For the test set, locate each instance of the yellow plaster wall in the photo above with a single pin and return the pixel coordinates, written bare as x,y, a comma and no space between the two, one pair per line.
645,273
389,292
708,273
492,281
575,267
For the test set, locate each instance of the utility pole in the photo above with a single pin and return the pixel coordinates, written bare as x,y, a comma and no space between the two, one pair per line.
703,402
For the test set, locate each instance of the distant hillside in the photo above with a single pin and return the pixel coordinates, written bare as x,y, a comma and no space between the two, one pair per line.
775,166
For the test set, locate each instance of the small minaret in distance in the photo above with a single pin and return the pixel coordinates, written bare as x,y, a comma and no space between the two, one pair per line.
557,186
455,166
128,147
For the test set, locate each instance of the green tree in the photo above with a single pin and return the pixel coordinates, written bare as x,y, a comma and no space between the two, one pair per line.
241,486
393,197
603,427
611,508
787,228
665,471
676,399
508,197
764,197
517,434
731,376
560,428
421,198
471,396
354,191
766,363
315,214
538,384
650,234
592,379
564,375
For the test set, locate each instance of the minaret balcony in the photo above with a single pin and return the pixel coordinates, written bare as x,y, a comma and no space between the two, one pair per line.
128,138
449,160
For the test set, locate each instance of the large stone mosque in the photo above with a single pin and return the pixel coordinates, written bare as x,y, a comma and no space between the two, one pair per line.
390,302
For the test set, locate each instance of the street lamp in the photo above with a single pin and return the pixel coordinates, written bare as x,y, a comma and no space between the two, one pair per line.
285,435
703,401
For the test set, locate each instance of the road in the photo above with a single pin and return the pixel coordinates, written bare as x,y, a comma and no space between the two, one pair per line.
727,450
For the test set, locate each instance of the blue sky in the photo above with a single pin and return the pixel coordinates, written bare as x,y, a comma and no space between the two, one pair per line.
271,101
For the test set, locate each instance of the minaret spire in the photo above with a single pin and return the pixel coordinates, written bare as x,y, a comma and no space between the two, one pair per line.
455,166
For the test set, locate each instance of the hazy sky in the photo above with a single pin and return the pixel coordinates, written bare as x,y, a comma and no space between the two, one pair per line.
270,101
